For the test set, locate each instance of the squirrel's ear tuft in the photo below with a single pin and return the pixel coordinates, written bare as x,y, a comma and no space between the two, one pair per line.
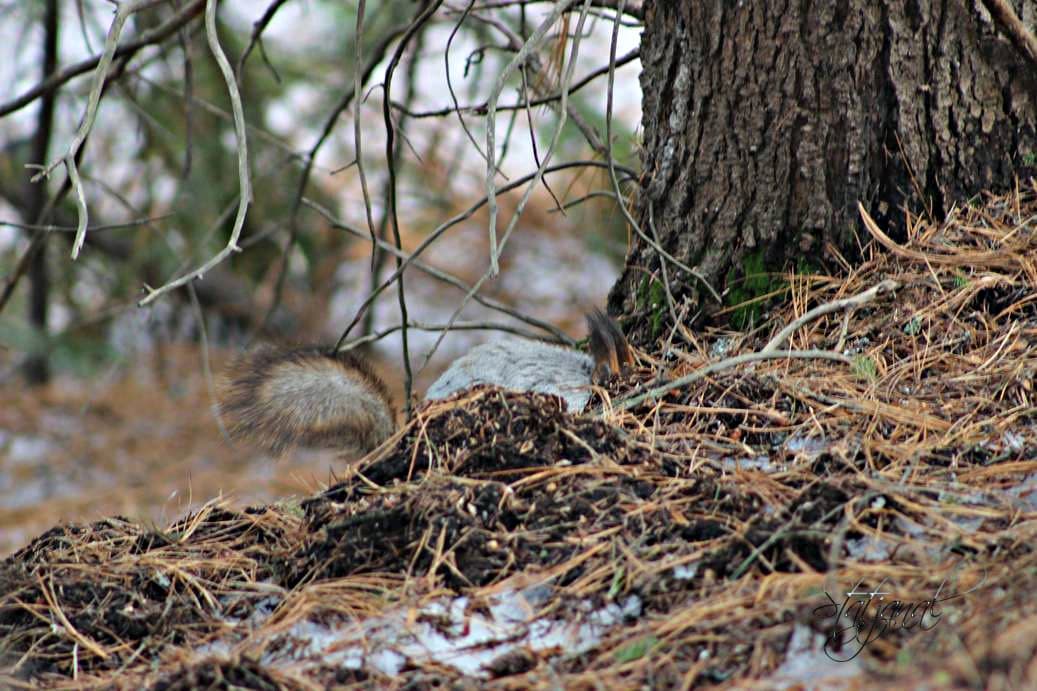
608,346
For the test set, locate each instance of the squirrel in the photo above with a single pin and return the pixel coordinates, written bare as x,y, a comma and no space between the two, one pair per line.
313,397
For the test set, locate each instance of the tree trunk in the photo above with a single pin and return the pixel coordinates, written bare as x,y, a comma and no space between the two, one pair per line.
765,122
37,366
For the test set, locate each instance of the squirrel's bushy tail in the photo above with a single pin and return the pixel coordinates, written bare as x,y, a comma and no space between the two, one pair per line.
306,397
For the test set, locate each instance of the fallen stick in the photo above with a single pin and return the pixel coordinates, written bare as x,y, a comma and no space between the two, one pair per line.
728,363
887,286
770,351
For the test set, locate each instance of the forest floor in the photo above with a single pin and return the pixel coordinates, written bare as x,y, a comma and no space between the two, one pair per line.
861,513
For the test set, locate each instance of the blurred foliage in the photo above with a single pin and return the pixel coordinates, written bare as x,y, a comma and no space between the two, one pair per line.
163,148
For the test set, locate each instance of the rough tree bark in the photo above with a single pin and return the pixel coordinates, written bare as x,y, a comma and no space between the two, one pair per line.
765,122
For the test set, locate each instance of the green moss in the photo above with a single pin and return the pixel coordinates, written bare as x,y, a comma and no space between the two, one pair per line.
748,297
617,583
805,267
757,280
651,298
865,368
636,649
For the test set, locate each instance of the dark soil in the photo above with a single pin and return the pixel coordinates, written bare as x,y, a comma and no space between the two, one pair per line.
733,509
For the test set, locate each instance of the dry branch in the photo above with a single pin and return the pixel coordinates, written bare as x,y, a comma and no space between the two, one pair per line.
244,176
1021,37
886,286
111,43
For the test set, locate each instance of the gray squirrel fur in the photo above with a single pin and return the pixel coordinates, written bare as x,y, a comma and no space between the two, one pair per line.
518,364
282,398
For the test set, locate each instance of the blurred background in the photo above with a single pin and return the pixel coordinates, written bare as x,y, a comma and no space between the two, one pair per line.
107,407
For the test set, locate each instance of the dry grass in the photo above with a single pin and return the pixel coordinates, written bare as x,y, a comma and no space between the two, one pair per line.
901,471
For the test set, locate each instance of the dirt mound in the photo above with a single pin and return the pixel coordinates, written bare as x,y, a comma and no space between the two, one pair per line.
848,493
83,599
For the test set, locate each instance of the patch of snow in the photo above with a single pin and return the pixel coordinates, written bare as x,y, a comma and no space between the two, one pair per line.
761,463
806,665
445,631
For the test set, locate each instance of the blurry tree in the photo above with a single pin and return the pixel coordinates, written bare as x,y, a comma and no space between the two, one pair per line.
37,367
766,123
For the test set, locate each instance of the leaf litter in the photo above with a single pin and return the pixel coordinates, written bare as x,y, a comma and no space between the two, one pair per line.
700,536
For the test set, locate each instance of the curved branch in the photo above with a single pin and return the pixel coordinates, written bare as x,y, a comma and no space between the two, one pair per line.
153,37
244,181
1009,22
728,363
481,108
394,221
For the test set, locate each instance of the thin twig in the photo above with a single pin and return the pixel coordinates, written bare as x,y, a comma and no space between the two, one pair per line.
728,363
631,9
111,43
244,182
378,55
377,256
210,381
394,221
51,228
357,139
450,85
258,27
153,37
421,326
887,286
1021,37
481,108
523,54
612,166
438,274
450,223
537,176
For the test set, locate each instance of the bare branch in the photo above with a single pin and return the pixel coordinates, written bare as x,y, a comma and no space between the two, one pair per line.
855,301
481,108
357,147
630,9
394,221
1021,37
100,74
464,215
441,328
153,37
51,228
537,176
532,44
378,55
440,275
726,364
244,182
258,27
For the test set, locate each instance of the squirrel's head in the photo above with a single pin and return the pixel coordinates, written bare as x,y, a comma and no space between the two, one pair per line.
608,346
